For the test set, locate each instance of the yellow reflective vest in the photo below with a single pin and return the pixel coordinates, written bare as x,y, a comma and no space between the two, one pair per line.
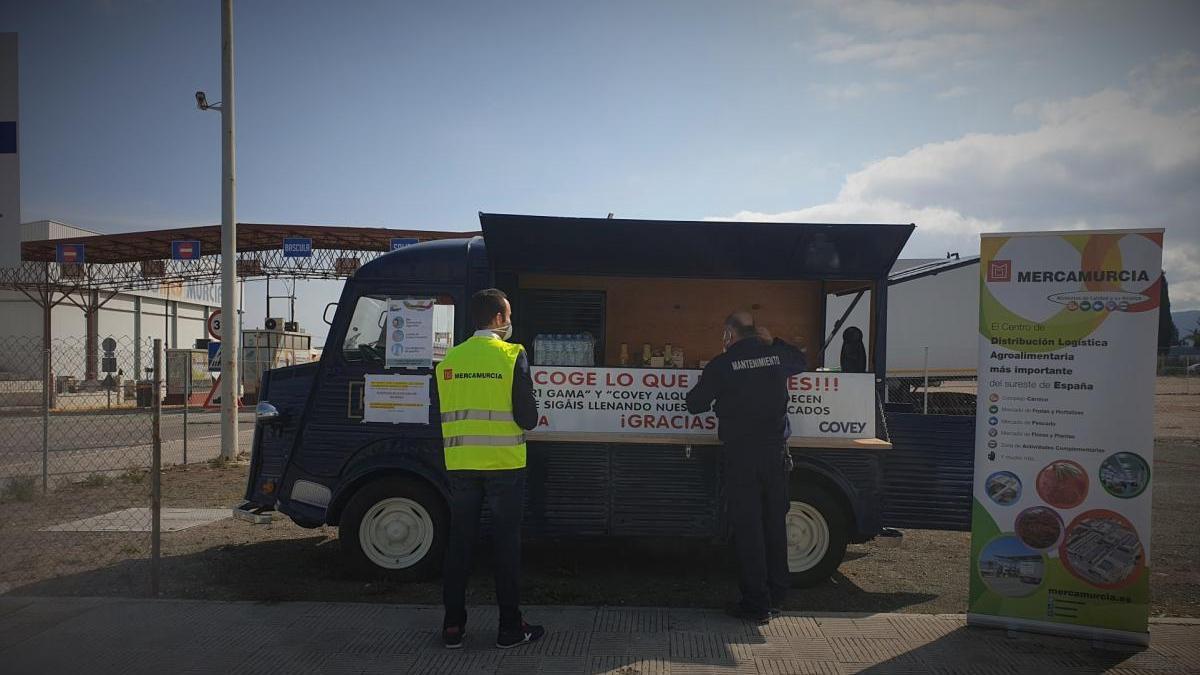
475,383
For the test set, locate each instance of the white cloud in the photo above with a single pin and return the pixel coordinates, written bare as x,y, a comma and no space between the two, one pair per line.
957,91
1112,159
852,91
907,53
895,17
897,34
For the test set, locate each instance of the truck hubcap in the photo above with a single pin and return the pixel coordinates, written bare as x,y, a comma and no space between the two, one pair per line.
807,537
396,533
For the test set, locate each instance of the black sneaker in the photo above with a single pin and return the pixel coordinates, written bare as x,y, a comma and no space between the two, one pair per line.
507,639
452,636
738,612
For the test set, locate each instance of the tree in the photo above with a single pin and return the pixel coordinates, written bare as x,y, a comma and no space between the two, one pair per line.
1168,333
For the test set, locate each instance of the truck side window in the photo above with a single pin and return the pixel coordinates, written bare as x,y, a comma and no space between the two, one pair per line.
365,335
443,327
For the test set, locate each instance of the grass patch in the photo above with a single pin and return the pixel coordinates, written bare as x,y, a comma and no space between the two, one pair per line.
95,480
135,476
19,489
219,463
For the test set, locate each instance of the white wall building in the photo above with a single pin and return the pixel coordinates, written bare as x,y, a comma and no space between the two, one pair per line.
172,312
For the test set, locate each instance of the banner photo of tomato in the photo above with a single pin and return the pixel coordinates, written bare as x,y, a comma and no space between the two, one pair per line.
1064,432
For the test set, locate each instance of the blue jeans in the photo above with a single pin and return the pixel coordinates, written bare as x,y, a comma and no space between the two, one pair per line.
505,494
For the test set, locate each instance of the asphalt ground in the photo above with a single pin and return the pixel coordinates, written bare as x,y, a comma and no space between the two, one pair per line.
83,443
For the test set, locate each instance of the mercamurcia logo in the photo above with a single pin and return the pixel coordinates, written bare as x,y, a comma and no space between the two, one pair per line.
999,270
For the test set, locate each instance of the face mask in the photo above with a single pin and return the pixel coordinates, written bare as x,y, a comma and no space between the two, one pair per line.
726,338
504,331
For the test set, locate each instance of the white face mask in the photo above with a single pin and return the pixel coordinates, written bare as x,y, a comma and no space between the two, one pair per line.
504,331
726,338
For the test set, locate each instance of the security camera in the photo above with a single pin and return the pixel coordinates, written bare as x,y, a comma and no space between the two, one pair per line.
201,101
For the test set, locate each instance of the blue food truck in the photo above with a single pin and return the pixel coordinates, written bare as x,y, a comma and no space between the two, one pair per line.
618,316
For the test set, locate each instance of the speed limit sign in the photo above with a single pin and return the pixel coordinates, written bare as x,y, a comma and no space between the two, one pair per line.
214,325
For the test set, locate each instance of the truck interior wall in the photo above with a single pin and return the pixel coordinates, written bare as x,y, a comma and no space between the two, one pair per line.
860,317
690,313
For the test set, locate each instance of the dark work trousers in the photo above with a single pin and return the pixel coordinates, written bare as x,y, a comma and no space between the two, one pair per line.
505,492
756,486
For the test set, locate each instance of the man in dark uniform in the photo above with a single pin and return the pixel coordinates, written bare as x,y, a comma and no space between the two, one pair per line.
748,383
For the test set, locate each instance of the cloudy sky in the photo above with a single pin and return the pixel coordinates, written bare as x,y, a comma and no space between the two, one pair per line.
961,117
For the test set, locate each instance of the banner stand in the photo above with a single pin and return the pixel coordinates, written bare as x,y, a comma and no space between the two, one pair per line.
1102,635
1064,433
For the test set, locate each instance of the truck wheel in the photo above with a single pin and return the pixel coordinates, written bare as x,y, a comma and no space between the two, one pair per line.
817,531
395,526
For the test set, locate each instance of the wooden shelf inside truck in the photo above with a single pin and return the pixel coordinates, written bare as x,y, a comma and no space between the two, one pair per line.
671,439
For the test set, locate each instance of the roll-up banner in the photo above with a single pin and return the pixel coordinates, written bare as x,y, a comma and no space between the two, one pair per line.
1064,432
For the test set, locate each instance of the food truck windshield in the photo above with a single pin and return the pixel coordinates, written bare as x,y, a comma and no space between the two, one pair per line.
621,316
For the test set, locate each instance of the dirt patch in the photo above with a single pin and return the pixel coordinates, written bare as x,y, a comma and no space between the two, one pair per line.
233,560
1177,408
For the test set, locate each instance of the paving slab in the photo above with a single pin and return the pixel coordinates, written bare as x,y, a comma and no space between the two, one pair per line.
56,635
139,520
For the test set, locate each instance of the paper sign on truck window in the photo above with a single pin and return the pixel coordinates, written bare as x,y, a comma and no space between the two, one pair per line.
409,333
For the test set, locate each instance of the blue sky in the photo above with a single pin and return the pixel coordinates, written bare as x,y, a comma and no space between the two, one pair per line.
959,116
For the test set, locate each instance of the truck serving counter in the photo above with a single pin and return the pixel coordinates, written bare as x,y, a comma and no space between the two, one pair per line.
618,317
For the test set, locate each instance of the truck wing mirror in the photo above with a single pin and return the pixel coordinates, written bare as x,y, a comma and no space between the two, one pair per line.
325,316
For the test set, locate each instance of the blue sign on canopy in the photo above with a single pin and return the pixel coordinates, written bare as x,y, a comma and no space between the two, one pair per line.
297,247
71,254
185,249
400,242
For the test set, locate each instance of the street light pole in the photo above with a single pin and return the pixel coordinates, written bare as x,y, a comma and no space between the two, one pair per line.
230,339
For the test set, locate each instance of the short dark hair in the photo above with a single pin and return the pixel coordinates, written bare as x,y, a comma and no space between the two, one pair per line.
741,323
485,305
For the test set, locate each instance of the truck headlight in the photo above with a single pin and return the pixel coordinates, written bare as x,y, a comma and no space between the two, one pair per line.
265,412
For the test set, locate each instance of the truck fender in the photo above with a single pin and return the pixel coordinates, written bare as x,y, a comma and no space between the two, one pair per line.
380,459
815,470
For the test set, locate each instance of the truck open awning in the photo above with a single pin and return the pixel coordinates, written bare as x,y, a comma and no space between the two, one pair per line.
695,249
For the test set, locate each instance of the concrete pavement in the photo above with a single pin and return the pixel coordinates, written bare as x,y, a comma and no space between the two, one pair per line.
67,635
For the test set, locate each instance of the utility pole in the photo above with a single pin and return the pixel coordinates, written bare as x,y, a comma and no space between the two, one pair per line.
230,339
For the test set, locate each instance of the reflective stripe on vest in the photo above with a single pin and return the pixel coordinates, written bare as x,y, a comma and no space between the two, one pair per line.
475,393
487,415
457,441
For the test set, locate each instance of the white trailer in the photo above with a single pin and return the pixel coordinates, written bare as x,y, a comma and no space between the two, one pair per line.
932,304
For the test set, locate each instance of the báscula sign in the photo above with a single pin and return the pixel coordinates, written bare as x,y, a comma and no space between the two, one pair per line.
652,401
1064,437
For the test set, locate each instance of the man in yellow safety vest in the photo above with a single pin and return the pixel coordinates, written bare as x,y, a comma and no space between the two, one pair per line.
485,396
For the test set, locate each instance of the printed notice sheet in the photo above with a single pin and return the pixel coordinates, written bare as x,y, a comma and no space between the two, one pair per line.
396,399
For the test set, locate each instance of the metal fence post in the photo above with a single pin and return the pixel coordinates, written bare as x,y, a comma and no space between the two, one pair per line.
925,388
187,400
155,471
47,388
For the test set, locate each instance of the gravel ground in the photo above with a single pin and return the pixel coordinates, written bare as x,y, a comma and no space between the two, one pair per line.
233,560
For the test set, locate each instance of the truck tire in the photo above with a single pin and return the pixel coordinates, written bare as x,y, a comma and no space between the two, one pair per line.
818,530
395,526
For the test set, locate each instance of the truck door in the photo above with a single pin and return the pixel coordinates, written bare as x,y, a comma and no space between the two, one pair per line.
337,434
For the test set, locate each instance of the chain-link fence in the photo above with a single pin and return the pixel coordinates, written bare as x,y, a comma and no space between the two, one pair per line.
1181,372
935,395
77,460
